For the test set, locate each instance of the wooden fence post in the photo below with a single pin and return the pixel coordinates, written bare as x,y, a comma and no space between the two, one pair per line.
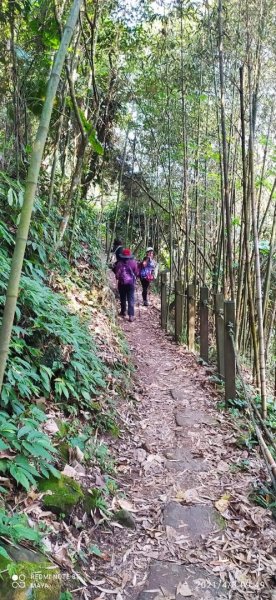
191,303
229,353
204,325
219,323
163,276
179,304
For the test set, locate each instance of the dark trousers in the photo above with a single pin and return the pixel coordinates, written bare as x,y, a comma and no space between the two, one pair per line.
145,286
127,296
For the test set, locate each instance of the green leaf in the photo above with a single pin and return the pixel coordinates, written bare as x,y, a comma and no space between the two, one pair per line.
95,550
29,477
91,134
24,430
37,451
4,553
3,466
23,462
3,446
20,476
53,471
38,414
26,533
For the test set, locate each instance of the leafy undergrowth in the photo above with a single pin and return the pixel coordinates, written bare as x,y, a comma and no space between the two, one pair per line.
67,367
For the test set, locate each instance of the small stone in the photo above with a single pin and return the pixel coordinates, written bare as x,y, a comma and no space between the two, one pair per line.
141,455
69,471
80,470
125,518
177,395
51,426
184,460
187,417
194,521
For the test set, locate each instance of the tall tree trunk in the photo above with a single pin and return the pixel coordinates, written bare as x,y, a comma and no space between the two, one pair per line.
56,149
75,181
118,194
253,104
30,190
15,91
225,155
246,213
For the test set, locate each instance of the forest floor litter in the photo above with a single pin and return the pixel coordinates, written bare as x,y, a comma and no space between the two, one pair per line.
181,482
197,535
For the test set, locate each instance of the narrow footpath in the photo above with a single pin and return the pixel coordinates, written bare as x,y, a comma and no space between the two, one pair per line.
193,532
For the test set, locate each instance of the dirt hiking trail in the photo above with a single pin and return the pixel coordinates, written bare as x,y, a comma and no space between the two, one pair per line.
192,531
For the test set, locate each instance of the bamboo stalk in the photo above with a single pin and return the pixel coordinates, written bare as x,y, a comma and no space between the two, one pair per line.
256,249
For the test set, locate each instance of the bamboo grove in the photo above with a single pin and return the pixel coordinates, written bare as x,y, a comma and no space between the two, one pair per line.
164,121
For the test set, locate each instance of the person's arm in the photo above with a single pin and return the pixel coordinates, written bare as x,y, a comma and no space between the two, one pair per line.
136,269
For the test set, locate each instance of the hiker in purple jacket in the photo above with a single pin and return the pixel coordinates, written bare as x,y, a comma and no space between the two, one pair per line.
126,273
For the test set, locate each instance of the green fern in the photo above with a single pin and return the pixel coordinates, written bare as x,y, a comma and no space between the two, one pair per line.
16,528
31,450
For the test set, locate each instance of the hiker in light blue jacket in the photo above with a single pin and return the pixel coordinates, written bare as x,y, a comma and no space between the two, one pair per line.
148,272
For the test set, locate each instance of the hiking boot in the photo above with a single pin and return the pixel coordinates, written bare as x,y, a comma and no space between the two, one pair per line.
122,314
146,303
131,319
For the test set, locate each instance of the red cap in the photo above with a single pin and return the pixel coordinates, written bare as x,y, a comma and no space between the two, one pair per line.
126,252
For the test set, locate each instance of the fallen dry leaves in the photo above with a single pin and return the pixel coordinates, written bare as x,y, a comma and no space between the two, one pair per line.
240,553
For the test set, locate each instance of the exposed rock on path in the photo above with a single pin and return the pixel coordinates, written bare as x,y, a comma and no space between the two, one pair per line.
197,534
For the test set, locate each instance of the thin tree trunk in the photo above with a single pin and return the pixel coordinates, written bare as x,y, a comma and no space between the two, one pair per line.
75,181
118,195
56,146
246,212
15,92
185,198
253,103
225,156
